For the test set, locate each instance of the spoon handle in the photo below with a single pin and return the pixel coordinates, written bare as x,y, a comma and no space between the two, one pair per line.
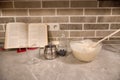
106,37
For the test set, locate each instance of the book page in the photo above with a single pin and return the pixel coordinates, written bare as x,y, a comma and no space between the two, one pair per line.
37,35
16,35
20,35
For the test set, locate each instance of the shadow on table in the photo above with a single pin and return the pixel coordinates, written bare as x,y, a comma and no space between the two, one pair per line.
70,59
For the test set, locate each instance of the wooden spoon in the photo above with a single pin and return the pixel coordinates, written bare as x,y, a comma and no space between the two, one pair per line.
106,37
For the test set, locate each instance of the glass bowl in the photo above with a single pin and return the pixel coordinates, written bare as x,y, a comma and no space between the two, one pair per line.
84,51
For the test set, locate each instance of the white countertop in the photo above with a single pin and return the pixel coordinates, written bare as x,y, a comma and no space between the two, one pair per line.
106,66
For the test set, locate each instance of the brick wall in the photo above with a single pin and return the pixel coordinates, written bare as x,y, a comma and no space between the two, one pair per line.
78,19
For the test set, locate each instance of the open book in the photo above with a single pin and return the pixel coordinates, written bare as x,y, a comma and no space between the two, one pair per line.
22,35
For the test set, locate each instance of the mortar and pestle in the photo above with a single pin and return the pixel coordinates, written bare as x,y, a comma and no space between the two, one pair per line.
86,50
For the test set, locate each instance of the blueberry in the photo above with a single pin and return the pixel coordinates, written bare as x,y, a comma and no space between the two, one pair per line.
62,52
